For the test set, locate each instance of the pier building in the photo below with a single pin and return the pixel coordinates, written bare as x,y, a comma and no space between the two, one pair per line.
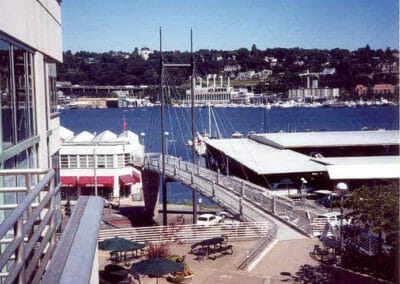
103,161
322,158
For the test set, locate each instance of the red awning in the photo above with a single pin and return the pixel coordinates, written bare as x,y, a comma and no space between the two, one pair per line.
102,181
136,176
127,180
68,181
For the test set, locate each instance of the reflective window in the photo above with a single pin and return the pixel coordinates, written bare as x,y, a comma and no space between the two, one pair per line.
64,161
90,161
6,96
51,69
31,101
21,93
101,161
73,161
110,161
120,161
83,161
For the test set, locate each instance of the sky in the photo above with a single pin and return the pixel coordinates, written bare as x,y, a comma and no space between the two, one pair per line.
103,25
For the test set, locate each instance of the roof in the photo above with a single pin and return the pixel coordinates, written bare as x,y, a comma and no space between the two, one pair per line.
364,171
329,138
65,134
264,159
359,160
128,136
84,136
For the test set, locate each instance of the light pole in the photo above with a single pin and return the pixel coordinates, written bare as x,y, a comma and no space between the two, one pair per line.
341,189
142,135
303,192
166,133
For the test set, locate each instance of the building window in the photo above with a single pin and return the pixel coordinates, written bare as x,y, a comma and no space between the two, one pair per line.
51,82
7,105
73,161
90,161
83,161
55,163
101,161
127,159
64,161
110,161
120,161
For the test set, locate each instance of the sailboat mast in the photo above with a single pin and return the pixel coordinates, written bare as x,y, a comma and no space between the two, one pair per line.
163,181
209,120
194,194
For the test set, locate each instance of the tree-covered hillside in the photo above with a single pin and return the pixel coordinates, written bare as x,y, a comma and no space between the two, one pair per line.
363,66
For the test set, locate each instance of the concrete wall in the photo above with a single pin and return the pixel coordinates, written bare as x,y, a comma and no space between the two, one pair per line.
36,23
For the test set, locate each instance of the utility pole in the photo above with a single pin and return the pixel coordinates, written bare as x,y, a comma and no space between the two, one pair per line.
163,182
194,193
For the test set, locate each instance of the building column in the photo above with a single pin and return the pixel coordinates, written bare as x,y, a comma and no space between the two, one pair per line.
116,187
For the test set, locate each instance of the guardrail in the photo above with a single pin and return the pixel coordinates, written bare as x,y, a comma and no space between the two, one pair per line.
75,258
258,248
238,231
28,234
236,195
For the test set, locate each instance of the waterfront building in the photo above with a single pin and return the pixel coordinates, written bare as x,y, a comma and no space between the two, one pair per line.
106,157
322,158
320,94
211,94
378,90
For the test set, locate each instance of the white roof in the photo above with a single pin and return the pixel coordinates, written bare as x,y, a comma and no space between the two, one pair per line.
84,136
329,138
364,171
128,136
65,134
264,159
359,160
104,136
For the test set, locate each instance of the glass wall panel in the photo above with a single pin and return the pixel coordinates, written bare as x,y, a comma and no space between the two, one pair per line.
52,74
21,94
32,116
7,105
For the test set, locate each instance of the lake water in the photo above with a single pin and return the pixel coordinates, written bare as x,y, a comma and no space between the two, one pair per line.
244,120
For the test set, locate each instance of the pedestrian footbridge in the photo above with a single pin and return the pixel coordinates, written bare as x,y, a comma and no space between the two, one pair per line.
242,198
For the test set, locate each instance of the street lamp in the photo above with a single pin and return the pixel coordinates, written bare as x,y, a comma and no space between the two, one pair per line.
142,135
341,189
303,192
166,134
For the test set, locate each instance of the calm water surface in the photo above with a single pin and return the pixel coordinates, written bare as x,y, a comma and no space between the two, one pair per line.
177,121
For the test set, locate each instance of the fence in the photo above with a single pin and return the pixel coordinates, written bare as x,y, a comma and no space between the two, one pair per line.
257,249
238,231
232,193
27,235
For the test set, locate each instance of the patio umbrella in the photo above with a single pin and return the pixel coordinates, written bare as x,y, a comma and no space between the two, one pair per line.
156,266
119,244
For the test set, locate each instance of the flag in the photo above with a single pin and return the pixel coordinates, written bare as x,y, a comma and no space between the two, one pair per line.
124,124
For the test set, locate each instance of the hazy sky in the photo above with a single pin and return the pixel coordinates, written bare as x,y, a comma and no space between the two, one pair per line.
102,25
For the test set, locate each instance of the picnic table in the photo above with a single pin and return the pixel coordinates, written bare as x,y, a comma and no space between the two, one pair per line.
332,245
211,246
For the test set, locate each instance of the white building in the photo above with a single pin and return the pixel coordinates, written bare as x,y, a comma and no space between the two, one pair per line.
106,157
314,93
145,52
211,94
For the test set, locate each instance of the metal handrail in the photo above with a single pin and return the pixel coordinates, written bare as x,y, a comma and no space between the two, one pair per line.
191,232
26,236
219,187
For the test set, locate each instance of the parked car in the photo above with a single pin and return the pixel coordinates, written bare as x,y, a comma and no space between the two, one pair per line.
327,200
208,220
281,188
223,214
333,218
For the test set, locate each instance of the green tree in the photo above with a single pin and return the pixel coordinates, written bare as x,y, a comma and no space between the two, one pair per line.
377,208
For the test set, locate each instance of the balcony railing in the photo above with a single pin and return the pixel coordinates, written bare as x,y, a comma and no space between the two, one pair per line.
28,234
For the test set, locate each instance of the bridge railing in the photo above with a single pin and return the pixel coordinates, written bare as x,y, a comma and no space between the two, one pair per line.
232,191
